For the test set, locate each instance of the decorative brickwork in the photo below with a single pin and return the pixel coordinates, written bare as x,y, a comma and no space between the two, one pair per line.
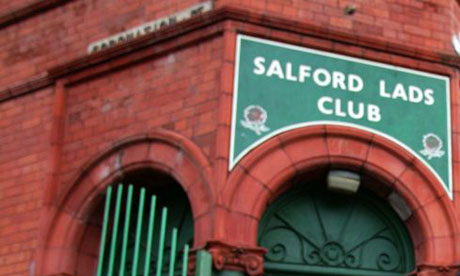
70,122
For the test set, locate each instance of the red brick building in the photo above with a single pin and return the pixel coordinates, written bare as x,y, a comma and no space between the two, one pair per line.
80,110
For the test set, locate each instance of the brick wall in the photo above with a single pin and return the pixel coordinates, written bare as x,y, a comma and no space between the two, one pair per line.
63,33
24,159
177,90
422,24
8,6
455,15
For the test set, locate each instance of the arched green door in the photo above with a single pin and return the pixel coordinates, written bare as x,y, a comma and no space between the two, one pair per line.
316,232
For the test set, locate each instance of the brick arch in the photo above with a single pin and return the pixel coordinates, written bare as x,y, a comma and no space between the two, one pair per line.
267,170
165,151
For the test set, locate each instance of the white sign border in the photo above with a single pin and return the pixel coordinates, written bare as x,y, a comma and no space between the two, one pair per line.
233,161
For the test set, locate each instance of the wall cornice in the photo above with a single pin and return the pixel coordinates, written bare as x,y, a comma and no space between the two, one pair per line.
37,7
201,28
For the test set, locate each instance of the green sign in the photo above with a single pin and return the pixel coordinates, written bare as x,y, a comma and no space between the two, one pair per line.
280,87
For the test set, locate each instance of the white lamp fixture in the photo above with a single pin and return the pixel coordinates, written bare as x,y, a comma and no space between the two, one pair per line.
456,43
343,181
400,205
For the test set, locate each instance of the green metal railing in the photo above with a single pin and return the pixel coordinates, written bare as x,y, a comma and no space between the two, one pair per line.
118,254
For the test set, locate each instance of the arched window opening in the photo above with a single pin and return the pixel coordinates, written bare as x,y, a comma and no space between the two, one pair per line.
133,246
309,230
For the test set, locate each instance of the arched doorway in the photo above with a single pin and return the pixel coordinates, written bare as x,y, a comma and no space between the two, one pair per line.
309,230
268,170
168,194
71,225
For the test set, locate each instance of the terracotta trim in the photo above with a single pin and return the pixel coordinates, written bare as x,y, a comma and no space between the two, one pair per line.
19,14
89,71
345,148
26,88
52,177
193,30
161,136
226,256
57,131
71,205
438,269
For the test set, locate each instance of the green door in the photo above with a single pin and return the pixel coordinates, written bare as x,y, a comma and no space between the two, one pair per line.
311,231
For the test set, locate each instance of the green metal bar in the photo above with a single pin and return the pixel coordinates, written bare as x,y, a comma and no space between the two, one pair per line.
185,260
161,241
126,231
105,222
172,256
203,263
115,230
138,232
148,250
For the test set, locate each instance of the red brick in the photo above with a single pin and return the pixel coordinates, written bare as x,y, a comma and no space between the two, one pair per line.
180,89
385,160
241,229
455,118
86,264
316,146
341,147
135,154
242,202
456,177
341,22
204,229
444,249
164,154
438,220
417,186
415,30
276,160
